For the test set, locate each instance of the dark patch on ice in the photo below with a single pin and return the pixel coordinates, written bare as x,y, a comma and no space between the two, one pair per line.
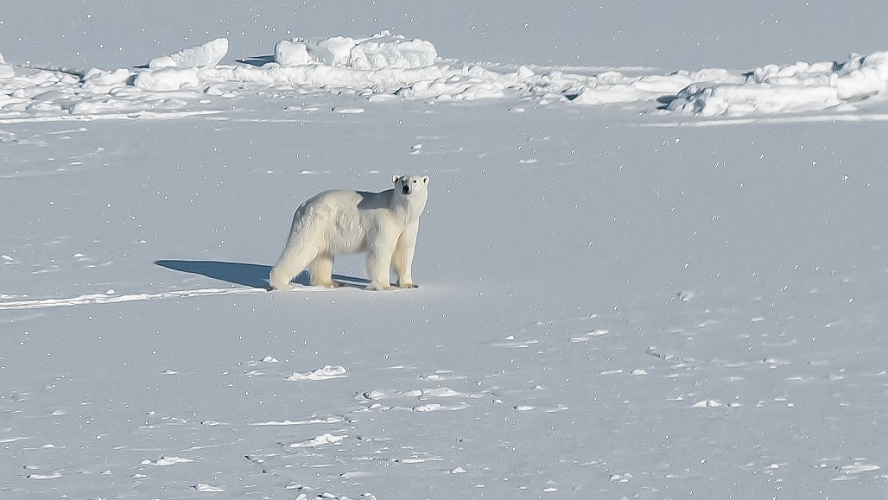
665,100
257,61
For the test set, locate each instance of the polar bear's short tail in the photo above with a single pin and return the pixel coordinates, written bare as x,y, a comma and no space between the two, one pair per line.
300,251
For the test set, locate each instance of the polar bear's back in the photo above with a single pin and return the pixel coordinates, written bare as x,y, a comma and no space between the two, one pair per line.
331,203
337,220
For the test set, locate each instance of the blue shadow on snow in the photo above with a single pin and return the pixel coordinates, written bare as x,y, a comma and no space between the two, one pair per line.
239,273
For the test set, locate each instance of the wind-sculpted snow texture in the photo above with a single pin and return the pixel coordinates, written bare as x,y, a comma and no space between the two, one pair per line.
633,282
385,66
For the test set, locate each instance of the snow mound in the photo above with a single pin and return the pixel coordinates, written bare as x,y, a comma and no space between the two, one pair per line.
326,373
182,70
292,53
207,55
321,440
6,70
169,79
167,461
377,52
208,488
792,88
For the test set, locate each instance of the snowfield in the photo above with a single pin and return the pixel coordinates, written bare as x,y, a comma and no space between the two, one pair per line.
635,282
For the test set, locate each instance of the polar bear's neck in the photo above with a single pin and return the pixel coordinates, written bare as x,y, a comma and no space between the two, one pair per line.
410,206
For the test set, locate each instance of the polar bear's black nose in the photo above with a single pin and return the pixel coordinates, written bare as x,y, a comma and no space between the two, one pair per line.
405,188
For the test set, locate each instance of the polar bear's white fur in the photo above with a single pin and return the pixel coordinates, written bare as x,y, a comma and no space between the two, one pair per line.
333,223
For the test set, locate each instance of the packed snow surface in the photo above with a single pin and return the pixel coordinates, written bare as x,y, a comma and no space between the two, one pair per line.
635,282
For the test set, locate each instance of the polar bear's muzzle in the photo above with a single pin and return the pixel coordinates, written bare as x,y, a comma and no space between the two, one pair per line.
405,189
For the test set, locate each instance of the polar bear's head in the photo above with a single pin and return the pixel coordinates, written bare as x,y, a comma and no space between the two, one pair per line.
409,185
412,192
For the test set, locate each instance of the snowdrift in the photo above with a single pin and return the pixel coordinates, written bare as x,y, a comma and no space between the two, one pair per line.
387,66
796,87
377,52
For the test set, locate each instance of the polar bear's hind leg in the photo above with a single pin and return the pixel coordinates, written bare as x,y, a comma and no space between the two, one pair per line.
291,263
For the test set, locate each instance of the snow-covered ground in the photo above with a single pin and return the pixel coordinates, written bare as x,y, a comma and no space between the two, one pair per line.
652,264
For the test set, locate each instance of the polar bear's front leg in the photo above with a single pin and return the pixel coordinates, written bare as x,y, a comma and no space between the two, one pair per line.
379,265
402,260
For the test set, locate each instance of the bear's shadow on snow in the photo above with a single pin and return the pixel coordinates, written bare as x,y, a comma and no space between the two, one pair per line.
239,273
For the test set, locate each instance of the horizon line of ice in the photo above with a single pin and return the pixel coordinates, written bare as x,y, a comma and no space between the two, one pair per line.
386,64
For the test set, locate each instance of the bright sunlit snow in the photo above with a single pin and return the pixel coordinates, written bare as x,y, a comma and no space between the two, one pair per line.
652,263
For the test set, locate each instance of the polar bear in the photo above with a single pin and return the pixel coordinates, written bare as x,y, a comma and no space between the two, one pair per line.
333,223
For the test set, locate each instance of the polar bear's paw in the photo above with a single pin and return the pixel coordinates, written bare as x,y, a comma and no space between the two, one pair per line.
408,285
380,288
279,284
327,284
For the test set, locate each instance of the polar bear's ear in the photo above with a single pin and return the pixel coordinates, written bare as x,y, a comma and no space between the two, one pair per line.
425,179
395,179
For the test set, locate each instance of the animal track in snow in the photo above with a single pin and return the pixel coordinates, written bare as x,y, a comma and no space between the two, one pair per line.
203,487
708,403
40,475
439,407
12,440
51,475
440,392
421,396
323,439
858,468
282,423
416,459
598,332
527,407
436,392
510,343
620,478
326,373
348,111
713,403
167,461
441,375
